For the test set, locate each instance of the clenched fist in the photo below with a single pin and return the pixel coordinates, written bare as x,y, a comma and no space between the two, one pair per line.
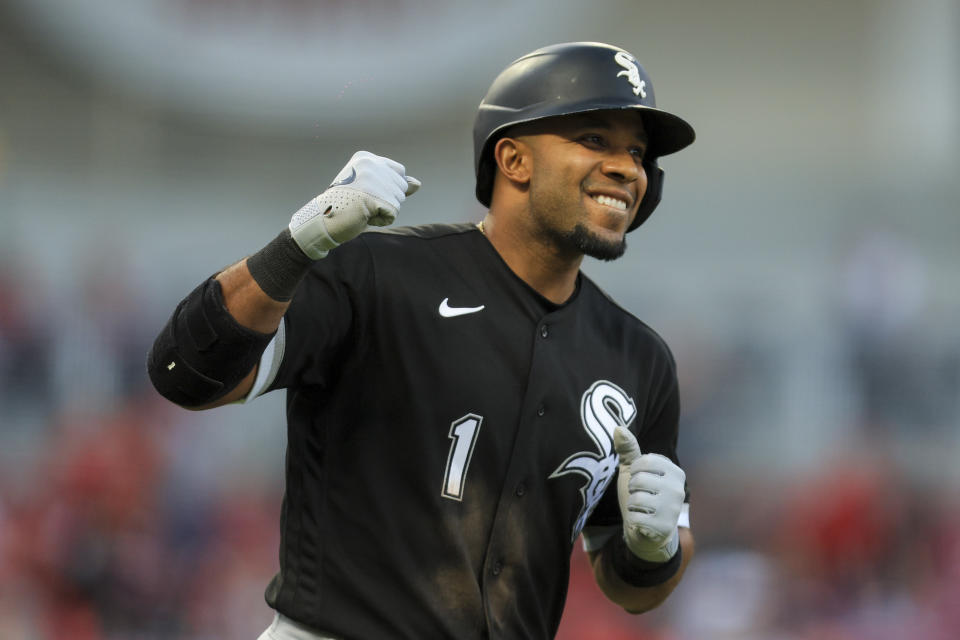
368,190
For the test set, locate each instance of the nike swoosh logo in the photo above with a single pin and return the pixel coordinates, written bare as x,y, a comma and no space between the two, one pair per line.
451,312
350,178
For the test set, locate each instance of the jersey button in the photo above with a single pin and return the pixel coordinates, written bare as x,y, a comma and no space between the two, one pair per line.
521,489
544,332
541,410
497,568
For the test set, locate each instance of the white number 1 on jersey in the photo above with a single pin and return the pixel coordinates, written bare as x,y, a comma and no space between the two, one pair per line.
463,432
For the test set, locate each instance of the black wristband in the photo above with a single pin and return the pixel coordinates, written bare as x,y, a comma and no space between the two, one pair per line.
279,267
628,567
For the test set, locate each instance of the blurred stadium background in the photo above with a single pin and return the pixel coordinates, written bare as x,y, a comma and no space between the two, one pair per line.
803,267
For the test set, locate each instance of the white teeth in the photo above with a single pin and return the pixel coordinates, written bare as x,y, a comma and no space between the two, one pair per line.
611,202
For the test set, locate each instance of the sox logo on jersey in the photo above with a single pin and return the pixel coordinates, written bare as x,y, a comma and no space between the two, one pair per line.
604,406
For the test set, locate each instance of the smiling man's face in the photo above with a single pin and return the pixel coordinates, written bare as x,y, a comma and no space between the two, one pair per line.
587,179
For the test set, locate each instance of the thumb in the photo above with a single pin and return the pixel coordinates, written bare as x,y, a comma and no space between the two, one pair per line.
412,185
626,445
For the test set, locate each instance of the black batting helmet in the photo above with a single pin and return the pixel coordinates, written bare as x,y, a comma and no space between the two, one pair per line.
572,78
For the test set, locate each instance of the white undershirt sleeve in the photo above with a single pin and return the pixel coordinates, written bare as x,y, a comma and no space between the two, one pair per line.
269,364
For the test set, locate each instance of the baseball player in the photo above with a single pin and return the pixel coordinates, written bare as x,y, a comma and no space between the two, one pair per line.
462,402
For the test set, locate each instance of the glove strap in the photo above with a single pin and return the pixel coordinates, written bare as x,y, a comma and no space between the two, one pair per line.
636,572
279,267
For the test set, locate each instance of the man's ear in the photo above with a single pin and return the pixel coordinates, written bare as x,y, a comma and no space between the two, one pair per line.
514,159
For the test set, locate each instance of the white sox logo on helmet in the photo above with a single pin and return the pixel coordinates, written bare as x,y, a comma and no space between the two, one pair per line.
631,72
603,408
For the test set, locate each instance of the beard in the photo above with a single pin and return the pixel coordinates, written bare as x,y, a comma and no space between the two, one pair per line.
596,247
547,205
584,241
544,207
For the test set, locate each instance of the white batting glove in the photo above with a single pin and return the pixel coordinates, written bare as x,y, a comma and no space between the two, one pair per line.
368,190
650,488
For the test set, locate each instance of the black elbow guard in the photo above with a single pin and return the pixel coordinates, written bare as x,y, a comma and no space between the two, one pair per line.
203,353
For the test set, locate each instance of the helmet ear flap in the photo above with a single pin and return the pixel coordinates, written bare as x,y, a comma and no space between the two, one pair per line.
651,197
485,174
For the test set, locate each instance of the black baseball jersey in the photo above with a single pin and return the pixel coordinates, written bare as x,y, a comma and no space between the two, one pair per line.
449,435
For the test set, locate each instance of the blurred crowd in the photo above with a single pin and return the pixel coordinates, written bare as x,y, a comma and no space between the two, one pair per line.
113,522
124,517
